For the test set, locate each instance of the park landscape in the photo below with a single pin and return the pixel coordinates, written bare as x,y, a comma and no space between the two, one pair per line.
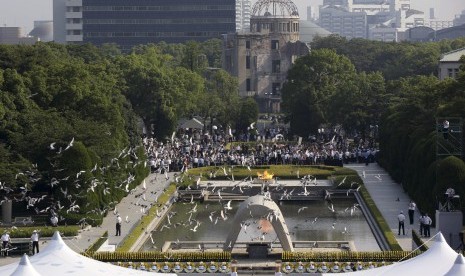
75,121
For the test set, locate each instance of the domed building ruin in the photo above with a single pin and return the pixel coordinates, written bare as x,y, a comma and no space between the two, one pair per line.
261,56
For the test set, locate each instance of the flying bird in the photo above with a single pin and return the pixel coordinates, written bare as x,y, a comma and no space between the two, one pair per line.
71,143
342,182
228,206
52,146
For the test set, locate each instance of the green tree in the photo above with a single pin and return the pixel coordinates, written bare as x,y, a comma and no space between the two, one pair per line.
310,85
247,115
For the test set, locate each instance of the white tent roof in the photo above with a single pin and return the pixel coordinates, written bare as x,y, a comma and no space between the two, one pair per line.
458,268
58,259
192,123
437,260
25,268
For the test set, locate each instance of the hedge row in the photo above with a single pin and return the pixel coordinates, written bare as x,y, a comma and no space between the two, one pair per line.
279,171
97,244
348,256
156,256
44,231
418,241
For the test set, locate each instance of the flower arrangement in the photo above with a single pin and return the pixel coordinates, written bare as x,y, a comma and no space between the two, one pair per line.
287,267
224,267
177,267
336,267
212,267
189,267
166,267
155,267
201,268
312,268
323,268
300,268
347,267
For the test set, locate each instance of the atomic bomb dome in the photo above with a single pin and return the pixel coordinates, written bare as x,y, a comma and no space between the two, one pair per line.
275,8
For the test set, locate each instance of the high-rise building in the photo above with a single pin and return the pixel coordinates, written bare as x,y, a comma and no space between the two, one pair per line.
340,21
373,19
243,14
459,19
132,22
311,13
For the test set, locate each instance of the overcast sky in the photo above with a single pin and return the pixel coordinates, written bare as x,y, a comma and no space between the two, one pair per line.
22,13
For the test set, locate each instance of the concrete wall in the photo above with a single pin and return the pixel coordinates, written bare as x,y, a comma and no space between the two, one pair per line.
450,225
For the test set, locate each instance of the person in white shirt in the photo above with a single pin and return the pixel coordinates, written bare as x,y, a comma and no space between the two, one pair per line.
422,224
427,224
5,239
401,219
411,211
35,241
118,225
445,129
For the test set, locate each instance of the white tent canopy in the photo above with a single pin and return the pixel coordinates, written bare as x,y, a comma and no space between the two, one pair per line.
58,259
25,268
458,268
439,259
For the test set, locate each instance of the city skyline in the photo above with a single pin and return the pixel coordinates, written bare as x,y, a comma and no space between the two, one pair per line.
23,13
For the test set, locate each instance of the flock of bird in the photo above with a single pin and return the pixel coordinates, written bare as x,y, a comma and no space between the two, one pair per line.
222,212
67,199
70,188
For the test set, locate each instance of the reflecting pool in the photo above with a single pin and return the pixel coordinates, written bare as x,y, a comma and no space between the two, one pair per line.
306,221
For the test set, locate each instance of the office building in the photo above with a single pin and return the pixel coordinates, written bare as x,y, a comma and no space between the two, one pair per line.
459,19
372,19
132,22
339,20
14,35
243,14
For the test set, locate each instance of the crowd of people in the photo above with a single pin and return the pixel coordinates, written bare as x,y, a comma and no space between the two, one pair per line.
193,148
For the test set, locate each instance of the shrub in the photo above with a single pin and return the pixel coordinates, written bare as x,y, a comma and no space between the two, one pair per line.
47,231
347,256
156,256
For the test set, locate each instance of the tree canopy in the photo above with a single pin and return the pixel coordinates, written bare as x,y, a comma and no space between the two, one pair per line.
70,116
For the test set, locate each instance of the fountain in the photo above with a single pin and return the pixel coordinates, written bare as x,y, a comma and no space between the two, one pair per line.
259,206
258,225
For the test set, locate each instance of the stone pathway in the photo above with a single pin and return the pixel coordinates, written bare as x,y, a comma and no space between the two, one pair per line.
390,199
127,208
